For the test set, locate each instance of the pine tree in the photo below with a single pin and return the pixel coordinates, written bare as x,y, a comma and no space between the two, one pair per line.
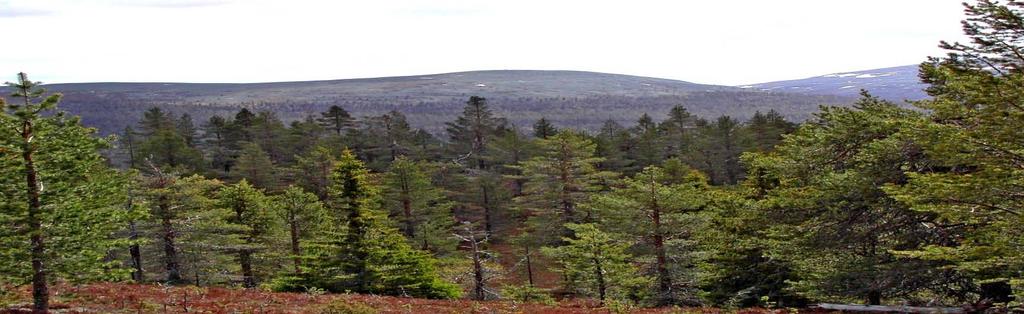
251,211
304,216
507,151
562,175
646,149
335,119
598,262
269,133
473,130
387,138
719,146
174,203
660,210
975,181
219,149
312,171
678,132
58,200
187,130
543,129
424,214
155,120
255,166
167,148
766,129
612,142
241,126
830,217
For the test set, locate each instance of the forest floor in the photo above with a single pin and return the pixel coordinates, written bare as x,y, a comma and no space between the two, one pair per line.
136,298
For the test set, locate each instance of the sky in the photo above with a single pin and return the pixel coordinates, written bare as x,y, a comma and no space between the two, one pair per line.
708,41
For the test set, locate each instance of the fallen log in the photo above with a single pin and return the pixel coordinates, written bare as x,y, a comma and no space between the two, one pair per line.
888,309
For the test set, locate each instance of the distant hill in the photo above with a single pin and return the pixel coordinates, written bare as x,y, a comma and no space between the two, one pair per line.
568,98
896,84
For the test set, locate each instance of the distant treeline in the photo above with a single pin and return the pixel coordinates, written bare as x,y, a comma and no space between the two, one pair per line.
587,113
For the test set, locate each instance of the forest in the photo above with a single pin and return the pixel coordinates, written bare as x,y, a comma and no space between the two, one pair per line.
873,203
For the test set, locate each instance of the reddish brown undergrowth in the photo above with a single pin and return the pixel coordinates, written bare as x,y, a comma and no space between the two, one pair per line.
134,298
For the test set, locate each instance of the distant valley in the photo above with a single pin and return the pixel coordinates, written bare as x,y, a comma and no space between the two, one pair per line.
568,98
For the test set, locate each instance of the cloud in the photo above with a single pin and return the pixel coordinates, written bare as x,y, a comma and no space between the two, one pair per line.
8,10
171,3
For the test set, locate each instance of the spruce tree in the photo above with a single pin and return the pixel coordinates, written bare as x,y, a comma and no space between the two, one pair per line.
304,216
361,252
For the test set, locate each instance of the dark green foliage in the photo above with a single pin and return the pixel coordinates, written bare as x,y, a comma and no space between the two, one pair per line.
559,178
660,210
543,129
303,215
597,263
60,204
336,120
421,210
471,132
168,148
833,221
255,166
361,252
252,212
975,181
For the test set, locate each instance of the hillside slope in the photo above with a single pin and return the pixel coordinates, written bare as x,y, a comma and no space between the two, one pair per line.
895,83
568,98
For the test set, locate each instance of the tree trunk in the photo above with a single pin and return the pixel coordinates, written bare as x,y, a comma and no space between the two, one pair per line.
410,227
874,297
478,273
529,266
40,290
488,226
296,250
664,278
170,247
245,258
601,285
135,251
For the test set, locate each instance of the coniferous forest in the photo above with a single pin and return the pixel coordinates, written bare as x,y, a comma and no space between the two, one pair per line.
873,203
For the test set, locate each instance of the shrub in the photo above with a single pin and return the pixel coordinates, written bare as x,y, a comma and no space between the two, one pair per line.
342,306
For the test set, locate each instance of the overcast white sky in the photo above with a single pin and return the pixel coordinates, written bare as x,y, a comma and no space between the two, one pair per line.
705,41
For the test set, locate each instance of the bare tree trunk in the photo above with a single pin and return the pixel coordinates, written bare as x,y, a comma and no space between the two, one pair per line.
529,266
40,290
488,225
